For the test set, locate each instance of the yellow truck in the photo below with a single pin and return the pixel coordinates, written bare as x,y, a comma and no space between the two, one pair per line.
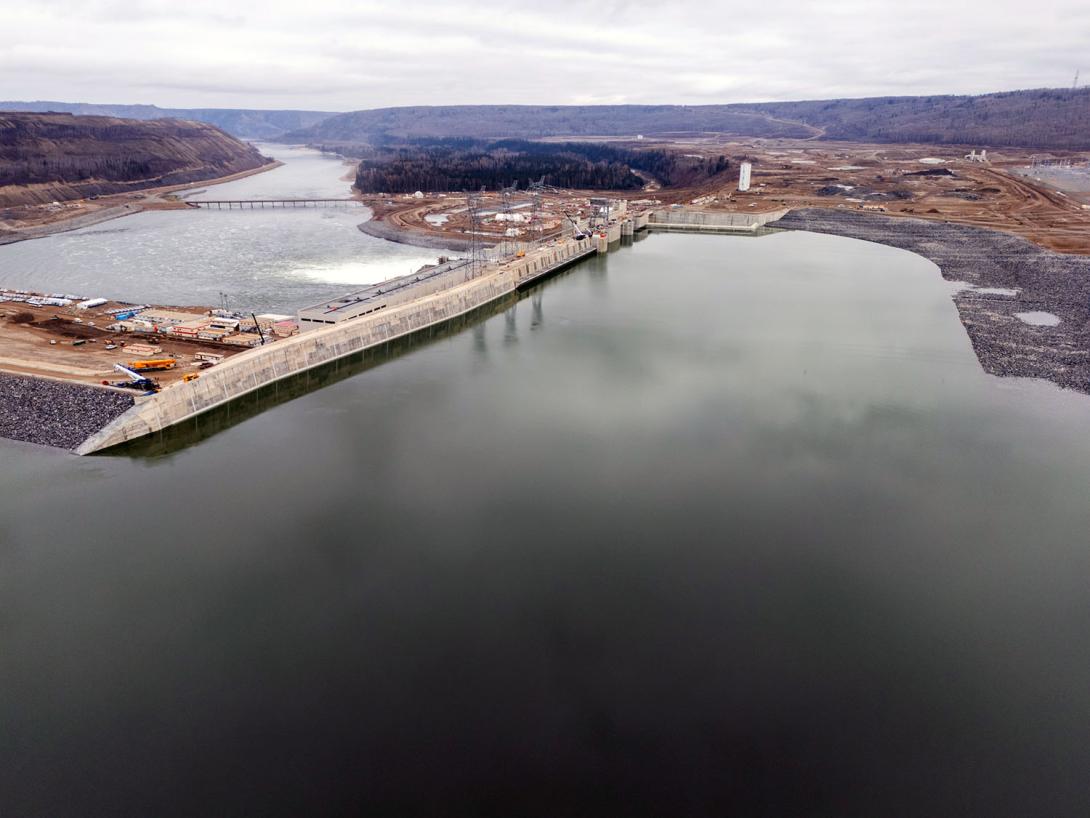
152,364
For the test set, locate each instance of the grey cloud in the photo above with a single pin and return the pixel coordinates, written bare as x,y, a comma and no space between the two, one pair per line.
344,55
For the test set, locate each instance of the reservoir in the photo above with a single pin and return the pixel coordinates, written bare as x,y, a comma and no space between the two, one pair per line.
706,526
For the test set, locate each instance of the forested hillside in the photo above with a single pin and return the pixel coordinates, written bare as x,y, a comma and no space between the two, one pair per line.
1044,118
242,122
461,164
385,125
46,157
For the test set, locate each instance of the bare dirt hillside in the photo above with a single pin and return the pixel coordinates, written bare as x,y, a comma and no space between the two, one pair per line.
47,157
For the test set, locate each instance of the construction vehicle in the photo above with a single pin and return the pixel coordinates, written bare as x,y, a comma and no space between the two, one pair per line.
153,364
135,381
189,376
579,235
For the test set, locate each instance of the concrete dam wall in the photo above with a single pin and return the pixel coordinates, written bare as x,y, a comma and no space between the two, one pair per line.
418,308
680,220
251,370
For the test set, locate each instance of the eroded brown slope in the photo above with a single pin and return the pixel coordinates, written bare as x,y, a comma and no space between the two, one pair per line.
58,157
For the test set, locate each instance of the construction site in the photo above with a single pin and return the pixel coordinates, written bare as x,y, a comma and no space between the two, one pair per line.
1044,198
68,338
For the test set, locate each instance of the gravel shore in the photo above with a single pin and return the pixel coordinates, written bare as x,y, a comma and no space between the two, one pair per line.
1045,282
54,413
385,230
71,223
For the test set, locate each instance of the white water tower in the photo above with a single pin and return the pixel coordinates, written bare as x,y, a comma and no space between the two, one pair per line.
743,177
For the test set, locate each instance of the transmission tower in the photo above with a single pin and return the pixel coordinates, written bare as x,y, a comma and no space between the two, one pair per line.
536,189
473,210
505,195
1075,84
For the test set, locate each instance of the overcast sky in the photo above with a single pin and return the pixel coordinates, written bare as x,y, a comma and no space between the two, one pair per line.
347,54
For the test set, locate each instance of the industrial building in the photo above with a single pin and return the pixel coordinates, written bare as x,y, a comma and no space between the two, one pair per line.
744,175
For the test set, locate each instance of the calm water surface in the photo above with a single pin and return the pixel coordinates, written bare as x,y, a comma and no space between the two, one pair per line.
269,259
709,527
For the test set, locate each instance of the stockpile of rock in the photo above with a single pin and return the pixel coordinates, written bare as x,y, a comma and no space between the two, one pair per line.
54,413
1042,281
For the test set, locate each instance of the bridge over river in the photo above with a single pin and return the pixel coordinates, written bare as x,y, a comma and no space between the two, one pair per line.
253,204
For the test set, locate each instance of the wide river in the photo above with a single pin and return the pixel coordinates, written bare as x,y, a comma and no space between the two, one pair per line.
709,526
265,259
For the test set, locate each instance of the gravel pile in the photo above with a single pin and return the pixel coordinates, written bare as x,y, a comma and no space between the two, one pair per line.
53,413
1046,282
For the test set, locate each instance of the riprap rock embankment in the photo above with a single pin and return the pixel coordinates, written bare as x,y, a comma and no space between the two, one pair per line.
54,413
1041,281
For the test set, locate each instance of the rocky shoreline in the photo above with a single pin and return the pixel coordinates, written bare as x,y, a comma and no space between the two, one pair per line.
10,235
416,238
1043,281
55,413
74,223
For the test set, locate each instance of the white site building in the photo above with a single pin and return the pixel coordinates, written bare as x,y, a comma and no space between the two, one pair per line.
744,176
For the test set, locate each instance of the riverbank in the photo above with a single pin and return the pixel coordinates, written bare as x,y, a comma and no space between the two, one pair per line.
389,231
116,206
75,222
1006,275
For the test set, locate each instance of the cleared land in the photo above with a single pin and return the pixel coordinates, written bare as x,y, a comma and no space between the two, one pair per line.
51,342
918,181
897,180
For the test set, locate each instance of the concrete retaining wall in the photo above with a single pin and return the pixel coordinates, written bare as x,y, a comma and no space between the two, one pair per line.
699,221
